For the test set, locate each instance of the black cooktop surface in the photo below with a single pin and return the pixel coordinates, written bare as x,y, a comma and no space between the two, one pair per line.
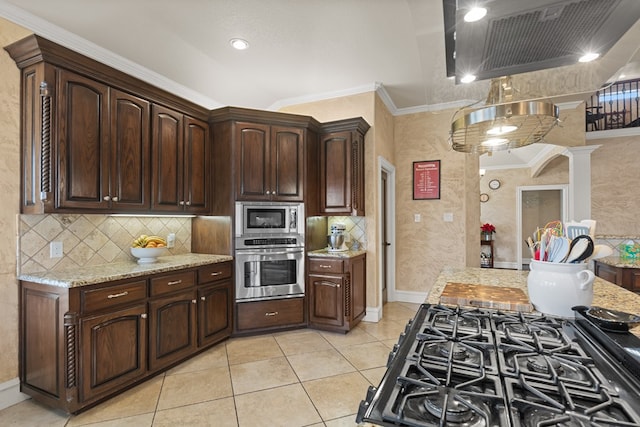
480,368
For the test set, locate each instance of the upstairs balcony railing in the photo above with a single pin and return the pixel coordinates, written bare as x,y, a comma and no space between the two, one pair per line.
614,106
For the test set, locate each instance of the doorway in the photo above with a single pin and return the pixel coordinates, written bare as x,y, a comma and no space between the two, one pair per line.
537,206
386,233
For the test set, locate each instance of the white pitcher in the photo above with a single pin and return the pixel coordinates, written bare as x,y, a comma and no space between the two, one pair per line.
556,287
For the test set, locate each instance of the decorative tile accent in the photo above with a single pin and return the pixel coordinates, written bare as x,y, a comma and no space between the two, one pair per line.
90,239
356,226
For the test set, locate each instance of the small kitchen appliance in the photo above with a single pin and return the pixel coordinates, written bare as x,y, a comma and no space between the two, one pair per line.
337,237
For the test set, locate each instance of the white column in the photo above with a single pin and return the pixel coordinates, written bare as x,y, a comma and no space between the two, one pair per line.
579,181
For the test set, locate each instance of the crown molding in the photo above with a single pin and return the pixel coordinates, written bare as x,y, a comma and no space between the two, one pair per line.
74,42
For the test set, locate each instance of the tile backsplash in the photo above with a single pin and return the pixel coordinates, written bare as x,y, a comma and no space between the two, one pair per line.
90,239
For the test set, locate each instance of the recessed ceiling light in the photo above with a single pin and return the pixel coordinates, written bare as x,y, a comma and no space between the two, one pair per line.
468,78
475,14
239,44
588,57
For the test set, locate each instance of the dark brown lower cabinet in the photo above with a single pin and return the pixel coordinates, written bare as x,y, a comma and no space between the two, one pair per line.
259,316
214,312
114,350
627,277
336,288
82,345
172,329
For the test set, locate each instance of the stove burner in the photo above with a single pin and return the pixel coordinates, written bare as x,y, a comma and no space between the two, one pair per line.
540,364
456,411
458,352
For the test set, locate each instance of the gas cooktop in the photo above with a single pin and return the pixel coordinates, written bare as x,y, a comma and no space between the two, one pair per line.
484,368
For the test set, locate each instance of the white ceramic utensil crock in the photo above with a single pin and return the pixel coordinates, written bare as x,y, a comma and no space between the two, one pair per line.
555,287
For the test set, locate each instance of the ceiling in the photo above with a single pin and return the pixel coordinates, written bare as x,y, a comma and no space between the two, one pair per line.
299,50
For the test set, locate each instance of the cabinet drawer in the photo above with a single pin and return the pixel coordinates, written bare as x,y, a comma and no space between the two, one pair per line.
112,296
210,273
172,282
265,314
326,265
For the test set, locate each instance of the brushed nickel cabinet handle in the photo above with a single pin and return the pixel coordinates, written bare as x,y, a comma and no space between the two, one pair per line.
188,203
193,301
203,298
181,203
271,313
324,266
174,282
333,285
106,198
121,294
115,199
216,273
143,315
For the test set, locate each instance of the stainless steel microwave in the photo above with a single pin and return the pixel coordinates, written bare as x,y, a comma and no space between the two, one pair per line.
269,218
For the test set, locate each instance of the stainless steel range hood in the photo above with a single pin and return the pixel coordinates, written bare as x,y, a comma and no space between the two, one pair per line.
520,36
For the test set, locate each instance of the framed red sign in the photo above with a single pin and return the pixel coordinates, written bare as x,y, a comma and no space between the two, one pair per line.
426,180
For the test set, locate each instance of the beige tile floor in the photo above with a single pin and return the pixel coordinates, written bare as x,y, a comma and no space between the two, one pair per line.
297,378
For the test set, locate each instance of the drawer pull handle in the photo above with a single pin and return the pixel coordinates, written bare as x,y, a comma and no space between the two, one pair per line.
174,282
333,285
324,266
121,294
271,313
216,273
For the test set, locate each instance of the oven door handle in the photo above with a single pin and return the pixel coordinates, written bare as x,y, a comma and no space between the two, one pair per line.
269,252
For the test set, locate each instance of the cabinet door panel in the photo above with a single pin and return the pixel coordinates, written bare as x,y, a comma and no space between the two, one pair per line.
252,145
287,151
214,313
129,151
83,156
113,350
335,179
172,329
167,159
327,305
196,168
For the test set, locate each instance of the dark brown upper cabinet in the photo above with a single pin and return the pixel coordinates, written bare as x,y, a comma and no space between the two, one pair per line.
270,162
87,136
342,167
180,162
103,145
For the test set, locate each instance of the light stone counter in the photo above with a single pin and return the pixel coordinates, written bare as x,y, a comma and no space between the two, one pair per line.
121,270
615,261
605,294
324,253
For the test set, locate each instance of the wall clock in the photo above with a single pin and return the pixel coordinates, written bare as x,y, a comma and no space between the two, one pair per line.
494,184
484,197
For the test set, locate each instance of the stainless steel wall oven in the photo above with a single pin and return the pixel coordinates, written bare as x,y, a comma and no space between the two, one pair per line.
269,251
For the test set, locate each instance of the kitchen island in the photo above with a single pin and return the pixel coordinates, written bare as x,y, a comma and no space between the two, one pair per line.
605,294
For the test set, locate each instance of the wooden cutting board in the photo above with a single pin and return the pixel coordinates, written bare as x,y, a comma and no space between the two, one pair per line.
485,296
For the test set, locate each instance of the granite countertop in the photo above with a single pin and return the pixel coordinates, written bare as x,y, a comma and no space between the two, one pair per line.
121,270
615,261
324,253
605,294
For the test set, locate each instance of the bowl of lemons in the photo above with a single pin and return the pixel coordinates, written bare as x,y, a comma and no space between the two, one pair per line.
148,248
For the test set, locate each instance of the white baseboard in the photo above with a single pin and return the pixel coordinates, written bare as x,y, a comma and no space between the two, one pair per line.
10,393
373,314
507,265
410,296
